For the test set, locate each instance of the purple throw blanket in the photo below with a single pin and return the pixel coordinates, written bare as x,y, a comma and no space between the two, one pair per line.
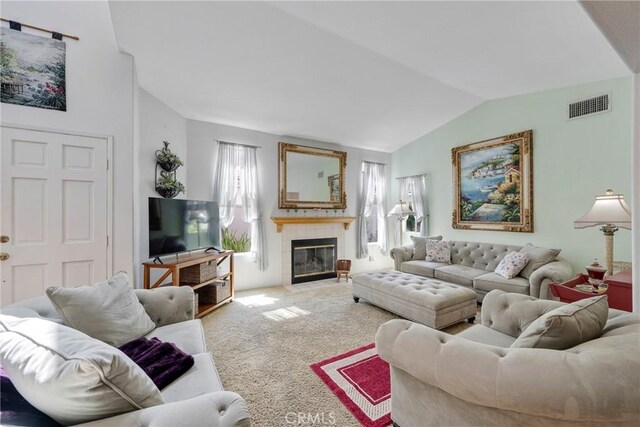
162,361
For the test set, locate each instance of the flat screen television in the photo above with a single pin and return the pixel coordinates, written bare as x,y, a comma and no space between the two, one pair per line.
177,225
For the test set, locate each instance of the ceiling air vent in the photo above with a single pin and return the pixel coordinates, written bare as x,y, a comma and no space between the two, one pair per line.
589,106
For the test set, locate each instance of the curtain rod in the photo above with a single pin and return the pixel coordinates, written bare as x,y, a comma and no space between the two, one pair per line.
33,27
412,176
374,163
237,144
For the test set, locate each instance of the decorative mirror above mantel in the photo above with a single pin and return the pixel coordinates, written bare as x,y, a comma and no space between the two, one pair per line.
311,178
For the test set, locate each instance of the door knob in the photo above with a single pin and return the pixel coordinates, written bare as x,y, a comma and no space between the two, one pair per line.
4,239
4,256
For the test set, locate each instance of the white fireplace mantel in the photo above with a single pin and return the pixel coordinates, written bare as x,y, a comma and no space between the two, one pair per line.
281,221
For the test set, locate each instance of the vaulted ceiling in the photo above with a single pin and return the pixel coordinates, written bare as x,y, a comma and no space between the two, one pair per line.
375,75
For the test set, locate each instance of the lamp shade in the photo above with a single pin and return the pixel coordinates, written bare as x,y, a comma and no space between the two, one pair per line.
609,209
401,209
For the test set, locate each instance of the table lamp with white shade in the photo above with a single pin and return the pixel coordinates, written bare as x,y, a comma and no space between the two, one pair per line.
610,211
401,211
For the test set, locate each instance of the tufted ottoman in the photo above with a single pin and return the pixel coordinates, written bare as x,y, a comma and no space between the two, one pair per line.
429,301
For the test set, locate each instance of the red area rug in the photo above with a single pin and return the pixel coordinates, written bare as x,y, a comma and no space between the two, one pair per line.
361,380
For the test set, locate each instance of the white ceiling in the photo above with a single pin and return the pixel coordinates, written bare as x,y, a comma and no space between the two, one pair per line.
374,75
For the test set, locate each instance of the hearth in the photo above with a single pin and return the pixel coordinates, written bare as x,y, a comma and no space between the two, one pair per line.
313,259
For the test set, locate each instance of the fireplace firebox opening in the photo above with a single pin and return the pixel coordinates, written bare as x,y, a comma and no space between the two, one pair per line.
313,259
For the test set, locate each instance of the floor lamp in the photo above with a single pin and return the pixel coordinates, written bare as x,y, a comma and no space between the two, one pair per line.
401,211
610,211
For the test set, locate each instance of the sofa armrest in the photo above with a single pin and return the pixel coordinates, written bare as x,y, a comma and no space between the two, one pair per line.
168,304
511,313
217,409
401,254
565,385
554,272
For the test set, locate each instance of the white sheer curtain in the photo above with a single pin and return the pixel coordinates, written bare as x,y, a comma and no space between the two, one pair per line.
236,180
373,190
413,189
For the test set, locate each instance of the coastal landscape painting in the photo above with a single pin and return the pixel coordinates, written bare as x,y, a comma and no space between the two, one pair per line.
493,183
33,70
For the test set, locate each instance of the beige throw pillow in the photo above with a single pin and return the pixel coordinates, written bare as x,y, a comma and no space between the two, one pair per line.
108,311
538,257
420,246
566,326
70,376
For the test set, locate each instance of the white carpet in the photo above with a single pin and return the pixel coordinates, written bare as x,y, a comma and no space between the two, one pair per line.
264,342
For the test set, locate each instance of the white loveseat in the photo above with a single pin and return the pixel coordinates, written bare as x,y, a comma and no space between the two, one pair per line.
197,398
474,378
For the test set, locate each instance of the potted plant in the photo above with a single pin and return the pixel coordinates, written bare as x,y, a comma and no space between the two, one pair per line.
168,160
167,186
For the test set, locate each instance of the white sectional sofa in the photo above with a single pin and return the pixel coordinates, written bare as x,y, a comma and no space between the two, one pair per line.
197,398
473,264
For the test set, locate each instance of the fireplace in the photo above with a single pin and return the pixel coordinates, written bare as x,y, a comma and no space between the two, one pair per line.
313,259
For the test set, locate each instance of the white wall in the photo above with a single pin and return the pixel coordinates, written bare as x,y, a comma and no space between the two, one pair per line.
99,96
201,151
157,123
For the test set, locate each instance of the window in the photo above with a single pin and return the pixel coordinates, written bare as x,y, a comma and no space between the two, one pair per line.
372,225
372,209
413,225
413,191
237,235
236,189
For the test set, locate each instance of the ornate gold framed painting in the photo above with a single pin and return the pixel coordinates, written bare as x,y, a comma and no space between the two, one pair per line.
493,184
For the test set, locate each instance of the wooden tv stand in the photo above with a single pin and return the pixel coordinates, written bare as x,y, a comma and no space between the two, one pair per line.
173,268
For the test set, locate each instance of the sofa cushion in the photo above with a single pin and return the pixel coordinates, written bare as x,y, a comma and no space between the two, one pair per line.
438,251
70,376
421,268
484,335
40,307
200,379
108,310
490,281
483,256
538,256
420,246
187,336
566,326
458,274
512,264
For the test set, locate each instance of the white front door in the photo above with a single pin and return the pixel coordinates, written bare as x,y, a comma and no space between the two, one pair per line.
53,212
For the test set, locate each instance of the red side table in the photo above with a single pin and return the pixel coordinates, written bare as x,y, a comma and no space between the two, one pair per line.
618,293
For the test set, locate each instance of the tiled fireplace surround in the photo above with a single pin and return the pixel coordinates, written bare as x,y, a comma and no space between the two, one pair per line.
307,231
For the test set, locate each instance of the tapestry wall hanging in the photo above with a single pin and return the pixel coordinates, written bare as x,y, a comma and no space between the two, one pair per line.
33,70
493,184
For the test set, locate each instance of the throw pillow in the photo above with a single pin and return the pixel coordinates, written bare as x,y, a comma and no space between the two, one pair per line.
108,311
538,257
438,251
420,246
70,376
566,326
512,264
